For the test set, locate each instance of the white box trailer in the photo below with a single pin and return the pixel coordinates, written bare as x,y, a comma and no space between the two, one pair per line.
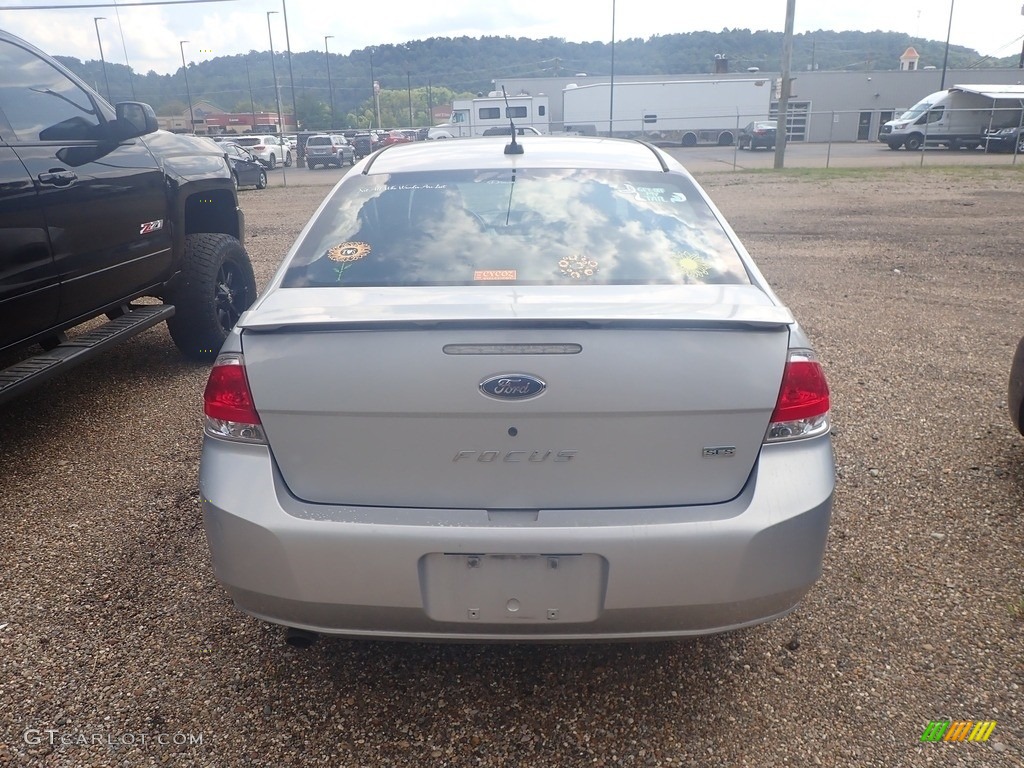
958,117
689,112
471,117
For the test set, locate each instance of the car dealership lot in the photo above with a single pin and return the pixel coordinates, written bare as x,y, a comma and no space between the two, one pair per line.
113,631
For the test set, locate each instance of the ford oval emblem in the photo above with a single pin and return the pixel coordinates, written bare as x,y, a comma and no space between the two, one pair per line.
512,386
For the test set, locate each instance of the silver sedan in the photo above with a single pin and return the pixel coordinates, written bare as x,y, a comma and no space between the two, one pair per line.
527,390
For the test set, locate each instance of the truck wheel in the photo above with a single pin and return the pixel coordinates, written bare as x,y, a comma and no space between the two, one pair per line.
217,286
913,142
689,140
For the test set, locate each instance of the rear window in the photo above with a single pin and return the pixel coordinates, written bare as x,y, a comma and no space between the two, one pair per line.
247,142
316,141
528,227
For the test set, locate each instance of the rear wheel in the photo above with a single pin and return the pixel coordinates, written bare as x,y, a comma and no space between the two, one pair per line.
689,139
288,160
273,162
217,285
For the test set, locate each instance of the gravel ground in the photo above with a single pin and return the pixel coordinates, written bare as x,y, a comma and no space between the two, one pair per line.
118,648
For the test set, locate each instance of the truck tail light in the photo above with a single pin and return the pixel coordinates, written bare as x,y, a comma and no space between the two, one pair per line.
802,409
228,404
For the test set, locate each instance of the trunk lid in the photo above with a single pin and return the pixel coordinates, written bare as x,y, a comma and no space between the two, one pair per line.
658,395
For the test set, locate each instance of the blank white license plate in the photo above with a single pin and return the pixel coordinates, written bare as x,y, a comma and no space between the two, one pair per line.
529,589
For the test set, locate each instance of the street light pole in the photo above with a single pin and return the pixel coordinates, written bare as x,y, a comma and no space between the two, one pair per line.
291,78
327,58
96,23
273,70
188,92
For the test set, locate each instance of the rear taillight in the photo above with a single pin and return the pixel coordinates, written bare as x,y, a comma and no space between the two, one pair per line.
802,409
227,402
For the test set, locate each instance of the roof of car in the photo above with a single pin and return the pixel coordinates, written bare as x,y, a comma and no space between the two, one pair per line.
538,152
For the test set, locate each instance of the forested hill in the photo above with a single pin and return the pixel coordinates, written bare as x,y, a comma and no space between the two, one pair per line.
430,72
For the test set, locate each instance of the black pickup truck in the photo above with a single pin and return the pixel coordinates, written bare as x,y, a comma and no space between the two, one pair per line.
99,208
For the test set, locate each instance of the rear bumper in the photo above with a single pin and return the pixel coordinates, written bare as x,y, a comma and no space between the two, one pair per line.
650,573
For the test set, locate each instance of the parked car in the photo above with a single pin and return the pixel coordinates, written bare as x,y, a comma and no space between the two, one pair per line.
463,411
759,133
521,130
362,143
326,149
269,150
1004,140
99,208
247,170
394,137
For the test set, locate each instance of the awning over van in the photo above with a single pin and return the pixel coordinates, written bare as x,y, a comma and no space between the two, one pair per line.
993,91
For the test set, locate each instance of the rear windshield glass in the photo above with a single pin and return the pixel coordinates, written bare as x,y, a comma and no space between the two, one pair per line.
527,227
318,140
245,142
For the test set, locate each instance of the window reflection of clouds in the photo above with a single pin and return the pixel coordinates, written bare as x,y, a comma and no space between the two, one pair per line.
639,228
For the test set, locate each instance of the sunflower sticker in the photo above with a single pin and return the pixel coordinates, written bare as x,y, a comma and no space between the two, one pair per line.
692,266
346,254
577,267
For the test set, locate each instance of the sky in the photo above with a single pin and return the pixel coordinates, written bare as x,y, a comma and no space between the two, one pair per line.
152,34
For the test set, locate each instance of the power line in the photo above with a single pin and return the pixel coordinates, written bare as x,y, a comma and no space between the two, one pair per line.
106,5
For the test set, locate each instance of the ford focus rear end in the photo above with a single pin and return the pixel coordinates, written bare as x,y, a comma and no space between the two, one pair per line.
536,396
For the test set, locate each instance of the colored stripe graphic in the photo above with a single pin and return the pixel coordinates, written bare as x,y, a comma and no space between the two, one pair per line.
982,731
958,730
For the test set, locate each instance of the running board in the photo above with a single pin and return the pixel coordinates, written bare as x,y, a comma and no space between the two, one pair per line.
33,371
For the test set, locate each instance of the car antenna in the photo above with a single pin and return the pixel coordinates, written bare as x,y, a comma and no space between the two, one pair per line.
513,147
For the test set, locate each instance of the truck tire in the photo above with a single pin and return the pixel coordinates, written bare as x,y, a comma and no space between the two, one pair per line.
689,139
217,286
914,142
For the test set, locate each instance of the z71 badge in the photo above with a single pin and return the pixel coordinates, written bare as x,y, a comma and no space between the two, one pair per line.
151,226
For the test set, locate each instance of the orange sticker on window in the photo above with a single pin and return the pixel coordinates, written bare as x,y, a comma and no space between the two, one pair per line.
494,274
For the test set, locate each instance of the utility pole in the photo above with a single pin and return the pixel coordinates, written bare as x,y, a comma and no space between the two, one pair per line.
787,84
611,83
945,56
408,85
327,57
188,93
96,23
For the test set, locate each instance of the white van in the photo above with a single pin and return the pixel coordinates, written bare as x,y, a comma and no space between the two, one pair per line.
956,118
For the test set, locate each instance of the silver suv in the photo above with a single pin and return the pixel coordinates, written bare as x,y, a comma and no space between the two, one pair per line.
329,149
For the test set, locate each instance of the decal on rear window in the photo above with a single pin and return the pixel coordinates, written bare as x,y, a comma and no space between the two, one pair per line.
494,274
346,254
577,267
692,266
